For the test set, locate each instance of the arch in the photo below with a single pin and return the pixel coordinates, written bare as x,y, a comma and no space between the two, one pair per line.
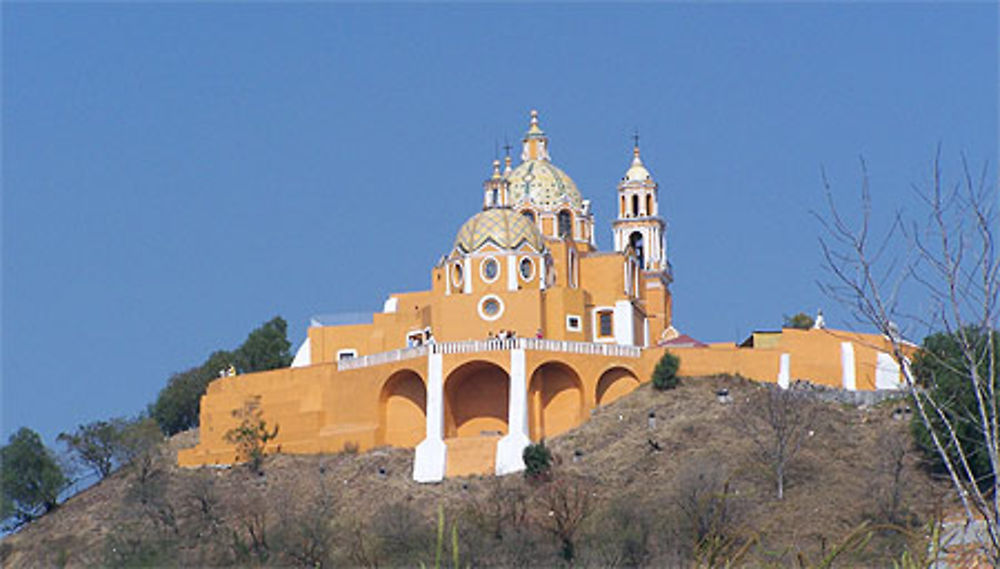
636,240
635,205
555,400
529,214
614,383
402,410
565,224
649,204
476,399
623,207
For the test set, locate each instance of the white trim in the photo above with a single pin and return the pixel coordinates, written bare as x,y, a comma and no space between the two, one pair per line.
510,449
391,305
579,323
482,268
303,356
432,455
624,323
482,302
466,272
886,372
784,373
512,278
351,352
847,366
543,274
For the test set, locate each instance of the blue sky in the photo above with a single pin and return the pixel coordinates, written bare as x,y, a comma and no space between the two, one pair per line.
176,174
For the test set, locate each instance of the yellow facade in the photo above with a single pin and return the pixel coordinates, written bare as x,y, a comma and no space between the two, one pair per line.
579,328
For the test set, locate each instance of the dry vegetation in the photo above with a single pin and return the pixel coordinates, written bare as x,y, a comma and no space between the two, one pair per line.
624,493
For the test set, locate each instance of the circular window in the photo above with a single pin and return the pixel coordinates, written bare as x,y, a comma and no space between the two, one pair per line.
490,307
527,268
490,269
456,274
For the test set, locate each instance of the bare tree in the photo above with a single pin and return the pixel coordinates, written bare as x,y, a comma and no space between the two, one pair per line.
777,422
951,257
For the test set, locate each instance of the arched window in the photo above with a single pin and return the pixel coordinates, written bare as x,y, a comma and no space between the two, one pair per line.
635,205
636,241
565,224
529,214
623,207
649,204
496,197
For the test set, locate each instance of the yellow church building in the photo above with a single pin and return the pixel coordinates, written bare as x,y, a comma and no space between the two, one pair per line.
525,329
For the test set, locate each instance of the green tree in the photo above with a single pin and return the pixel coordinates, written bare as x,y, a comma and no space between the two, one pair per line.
96,445
800,321
177,406
942,369
31,478
265,348
537,461
665,372
251,435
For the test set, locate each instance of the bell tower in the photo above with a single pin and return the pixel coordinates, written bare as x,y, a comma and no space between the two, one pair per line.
639,223
496,189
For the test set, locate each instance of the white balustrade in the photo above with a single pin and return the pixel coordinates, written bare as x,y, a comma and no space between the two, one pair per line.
476,346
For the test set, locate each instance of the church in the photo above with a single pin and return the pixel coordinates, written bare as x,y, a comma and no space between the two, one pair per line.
526,328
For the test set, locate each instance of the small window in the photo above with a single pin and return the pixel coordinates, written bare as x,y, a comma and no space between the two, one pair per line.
565,224
490,307
529,214
456,274
573,323
527,268
490,269
346,355
604,323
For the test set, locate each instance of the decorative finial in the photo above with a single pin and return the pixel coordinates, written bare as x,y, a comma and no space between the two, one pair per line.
496,169
534,117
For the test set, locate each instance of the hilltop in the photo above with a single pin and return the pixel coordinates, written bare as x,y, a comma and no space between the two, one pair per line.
623,492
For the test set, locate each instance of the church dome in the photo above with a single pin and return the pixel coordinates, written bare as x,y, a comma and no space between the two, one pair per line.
503,227
543,184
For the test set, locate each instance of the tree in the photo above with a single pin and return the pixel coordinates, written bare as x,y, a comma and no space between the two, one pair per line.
776,421
265,348
951,260
251,435
96,445
31,478
537,461
178,404
665,372
800,321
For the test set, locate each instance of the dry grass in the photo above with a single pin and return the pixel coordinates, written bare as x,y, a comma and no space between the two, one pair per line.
828,494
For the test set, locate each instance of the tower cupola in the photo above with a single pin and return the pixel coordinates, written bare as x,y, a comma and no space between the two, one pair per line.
639,224
496,189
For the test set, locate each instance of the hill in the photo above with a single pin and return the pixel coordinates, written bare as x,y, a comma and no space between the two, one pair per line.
624,492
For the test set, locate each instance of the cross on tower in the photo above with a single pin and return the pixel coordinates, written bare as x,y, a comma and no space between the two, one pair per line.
506,147
635,138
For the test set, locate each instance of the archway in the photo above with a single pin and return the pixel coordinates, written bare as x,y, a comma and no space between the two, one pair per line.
476,399
402,410
636,241
555,399
615,383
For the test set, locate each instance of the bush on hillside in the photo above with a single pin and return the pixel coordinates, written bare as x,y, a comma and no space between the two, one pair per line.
537,461
665,373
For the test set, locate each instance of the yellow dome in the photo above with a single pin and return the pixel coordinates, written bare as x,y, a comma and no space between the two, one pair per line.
544,184
504,228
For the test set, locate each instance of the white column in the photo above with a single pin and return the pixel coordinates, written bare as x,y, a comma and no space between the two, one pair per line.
510,449
431,457
847,366
511,272
543,272
624,327
468,275
784,373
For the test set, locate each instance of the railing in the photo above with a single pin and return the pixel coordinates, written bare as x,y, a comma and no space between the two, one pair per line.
476,346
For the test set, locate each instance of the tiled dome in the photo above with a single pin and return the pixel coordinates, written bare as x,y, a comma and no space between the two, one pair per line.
503,227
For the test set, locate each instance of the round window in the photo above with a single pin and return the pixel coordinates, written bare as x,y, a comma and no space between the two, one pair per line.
527,268
490,307
490,269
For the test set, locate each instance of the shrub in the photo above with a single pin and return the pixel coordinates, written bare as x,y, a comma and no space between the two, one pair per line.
537,461
665,373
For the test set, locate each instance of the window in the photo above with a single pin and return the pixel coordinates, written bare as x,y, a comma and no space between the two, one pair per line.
649,204
565,224
490,307
635,205
527,268
573,323
605,327
490,268
496,197
456,274
346,355
529,214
